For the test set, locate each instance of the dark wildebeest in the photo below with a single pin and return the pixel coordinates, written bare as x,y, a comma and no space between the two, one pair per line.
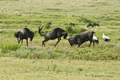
81,38
24,34
72,24
55,33
95,24
90,24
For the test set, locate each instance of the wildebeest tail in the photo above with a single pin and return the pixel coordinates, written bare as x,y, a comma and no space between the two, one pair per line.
39,31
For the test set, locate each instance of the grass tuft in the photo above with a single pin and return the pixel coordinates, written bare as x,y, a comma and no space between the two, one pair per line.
10,47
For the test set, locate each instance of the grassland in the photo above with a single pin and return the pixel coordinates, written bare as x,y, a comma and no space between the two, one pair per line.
44,69
81,62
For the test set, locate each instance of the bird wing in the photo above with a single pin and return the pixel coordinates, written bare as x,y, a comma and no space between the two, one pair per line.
105,37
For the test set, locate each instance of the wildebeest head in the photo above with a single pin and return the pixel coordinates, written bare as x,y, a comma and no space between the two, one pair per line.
31,36
93,32
65,34
90,24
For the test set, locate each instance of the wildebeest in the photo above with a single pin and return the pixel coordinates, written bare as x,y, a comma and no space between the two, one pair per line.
90,24
95,24
55,33
72,24
81,38
24,34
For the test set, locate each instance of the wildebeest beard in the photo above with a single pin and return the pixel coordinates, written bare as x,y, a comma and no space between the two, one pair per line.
65,36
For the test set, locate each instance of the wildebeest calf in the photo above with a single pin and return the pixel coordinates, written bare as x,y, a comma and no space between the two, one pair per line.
81,38
55,33
24,34
93,25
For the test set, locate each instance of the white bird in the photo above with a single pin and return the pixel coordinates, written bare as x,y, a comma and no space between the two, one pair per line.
95,39
0,31
1,9
16,12
5,9
106,38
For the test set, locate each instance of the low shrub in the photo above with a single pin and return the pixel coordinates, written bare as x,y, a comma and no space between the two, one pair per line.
36,53
69,29
10,47
86,20
48,25
73,30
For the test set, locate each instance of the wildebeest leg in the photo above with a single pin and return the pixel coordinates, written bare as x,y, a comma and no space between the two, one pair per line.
57,41
43,43
90,43
93,43
21,42
70,43
79,45
27,42
79,42
17,39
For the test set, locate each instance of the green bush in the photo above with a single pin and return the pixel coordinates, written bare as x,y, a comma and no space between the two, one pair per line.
100,52
73,30
69,29
86,20
113,23
48,25
10,47
36,53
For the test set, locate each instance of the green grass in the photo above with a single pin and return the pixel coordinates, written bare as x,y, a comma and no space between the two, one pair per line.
10,47
44,69
37,13
102,51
